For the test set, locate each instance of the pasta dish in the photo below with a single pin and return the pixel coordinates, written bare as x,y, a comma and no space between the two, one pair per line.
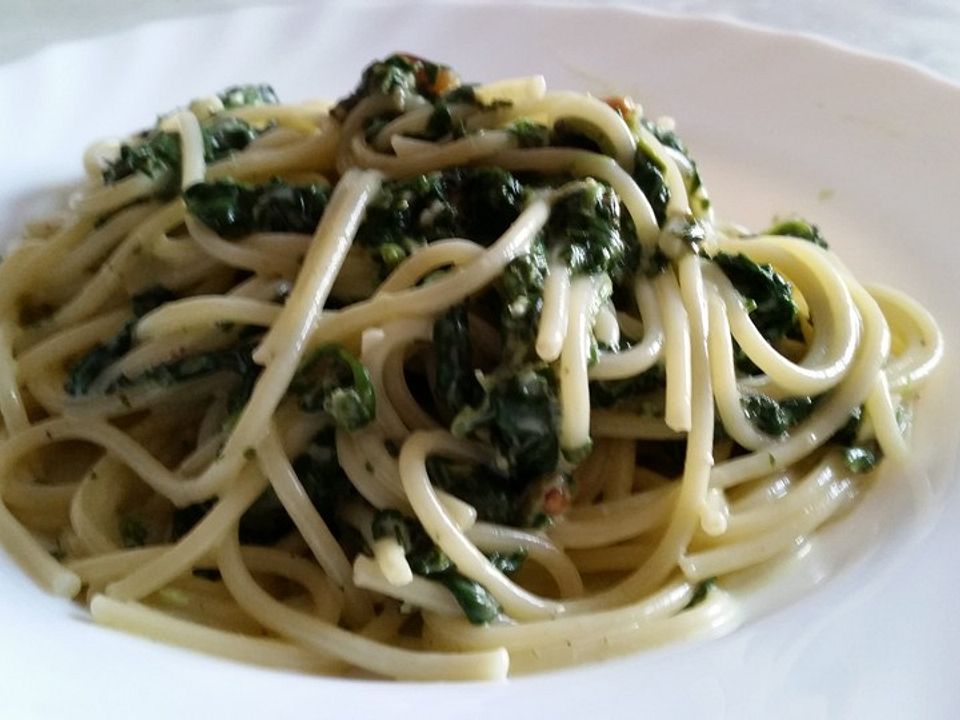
441,381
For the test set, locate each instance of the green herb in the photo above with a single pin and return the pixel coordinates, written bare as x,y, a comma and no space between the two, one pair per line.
474,599
686,164
701,592
156,153
862,458
237,360
442,123
575,133
495,496
335,381
91,365
610,393
776,417
519,414
529,134
233,210
266,521
774,311
427,560
799,228
476,203
859,457
521,293
584,227
225,135
247,95
649,175
399,74
456,381
133,532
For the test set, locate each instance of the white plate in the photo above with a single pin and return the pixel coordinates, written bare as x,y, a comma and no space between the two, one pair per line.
780,124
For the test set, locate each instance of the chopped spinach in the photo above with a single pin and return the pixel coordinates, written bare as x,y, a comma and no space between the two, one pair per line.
474,599
688,169
859,457
584,227
773,309
776,417
477,203
496,497
233,210
133,532
610,393
701,592
574,133
649,175
456,381
246,95
156,153
529,134
519,414
429,561
224,135
798,228
862,458
399,74
336,382
237,360
89,366
266,521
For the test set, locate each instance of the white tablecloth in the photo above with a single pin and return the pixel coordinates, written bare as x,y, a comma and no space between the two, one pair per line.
926,32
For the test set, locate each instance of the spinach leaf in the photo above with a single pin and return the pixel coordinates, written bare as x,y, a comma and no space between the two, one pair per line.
427,560
584,227
336,382
776,417
496,497
396,74
486,200
474,599
573,133
862,458
391,226
266,521
799,228
774,312
521,293
247,95
649,175
233,210
223,135
529,134
325,482
701,592
133,532
236,360
156,153
456,381
859,457
688,169
519,414
609,393
89,366
477,203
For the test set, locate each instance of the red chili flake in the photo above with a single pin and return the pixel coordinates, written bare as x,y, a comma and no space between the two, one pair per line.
556,501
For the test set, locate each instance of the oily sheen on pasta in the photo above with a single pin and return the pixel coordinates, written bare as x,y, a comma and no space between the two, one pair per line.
441,381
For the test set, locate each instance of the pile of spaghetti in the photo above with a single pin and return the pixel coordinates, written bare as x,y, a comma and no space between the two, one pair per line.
438,382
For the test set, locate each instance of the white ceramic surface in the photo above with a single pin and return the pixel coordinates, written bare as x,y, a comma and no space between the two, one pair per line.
779,124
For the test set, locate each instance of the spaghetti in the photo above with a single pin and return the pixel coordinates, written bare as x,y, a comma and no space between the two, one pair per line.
439,382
